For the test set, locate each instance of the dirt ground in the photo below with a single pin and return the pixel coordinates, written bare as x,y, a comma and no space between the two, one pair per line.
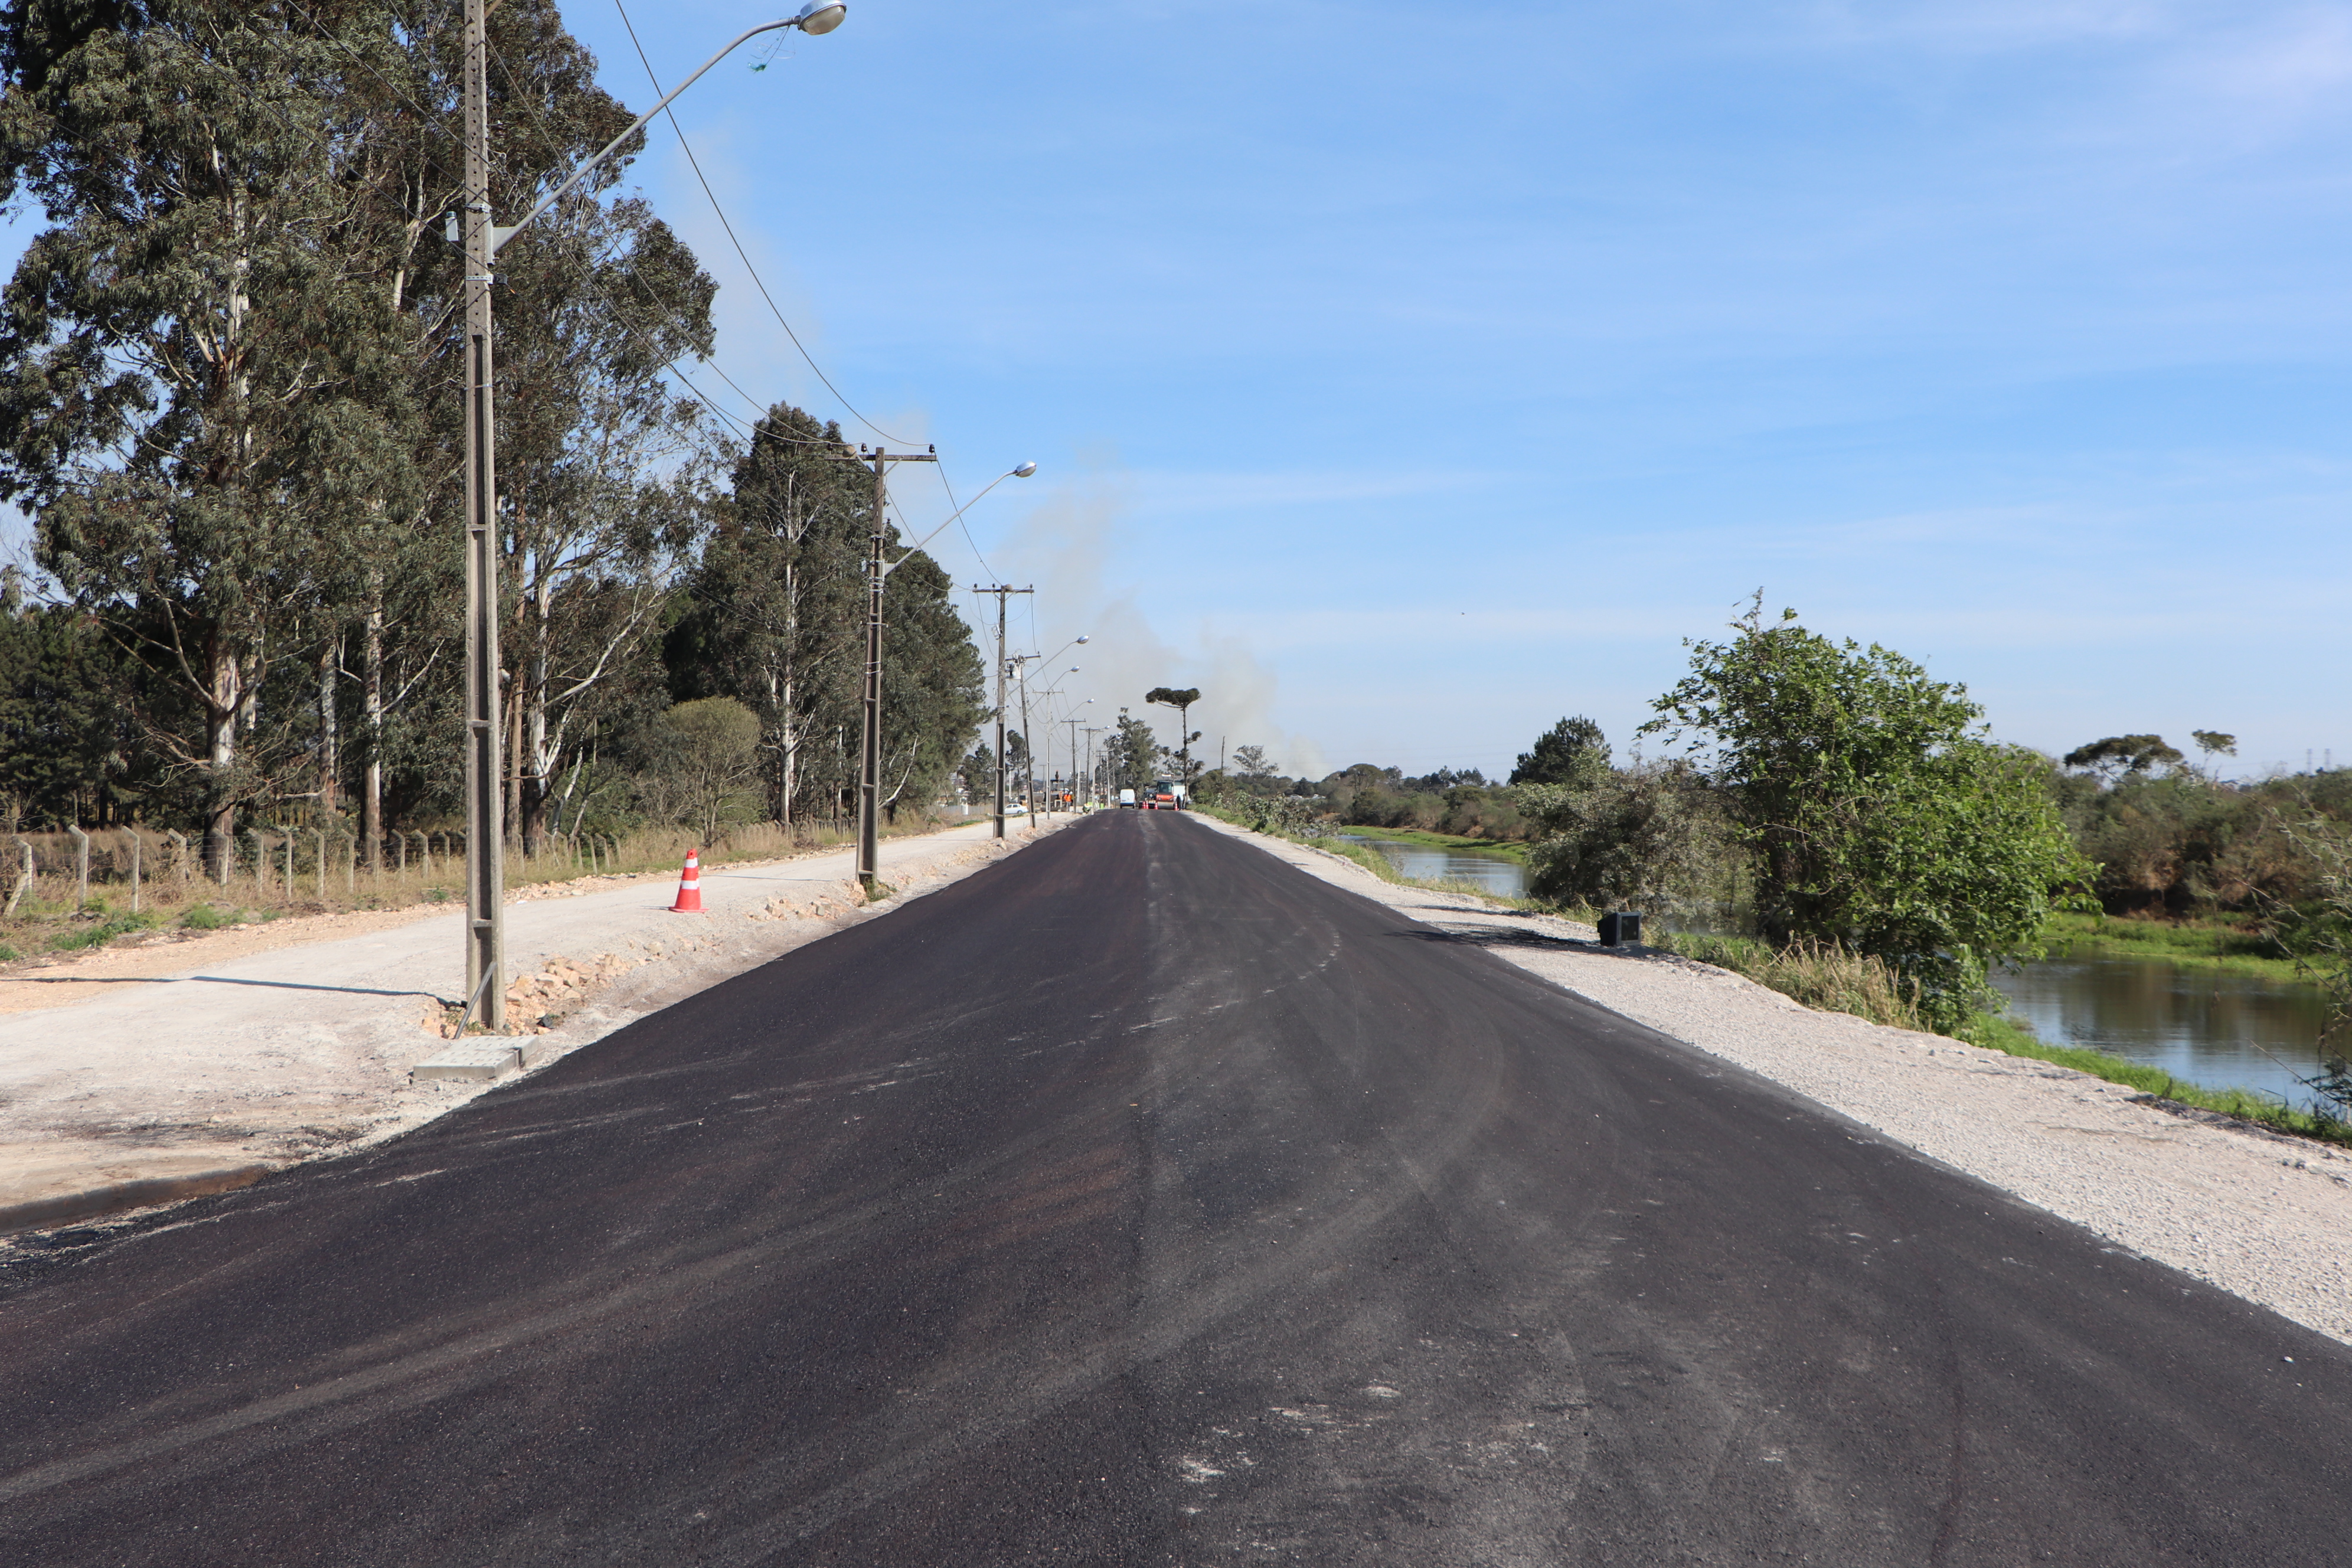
164,1066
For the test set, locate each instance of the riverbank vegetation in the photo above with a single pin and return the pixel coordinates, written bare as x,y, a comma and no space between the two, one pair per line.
1887,851
1834,980
1499,848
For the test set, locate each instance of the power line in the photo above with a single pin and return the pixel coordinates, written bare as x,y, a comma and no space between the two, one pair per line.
671,114
670,362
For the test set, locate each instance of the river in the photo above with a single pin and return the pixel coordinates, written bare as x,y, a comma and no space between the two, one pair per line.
2220,1031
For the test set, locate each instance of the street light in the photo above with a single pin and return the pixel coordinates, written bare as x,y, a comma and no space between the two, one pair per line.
1029,741
1074,720
486,997
869,784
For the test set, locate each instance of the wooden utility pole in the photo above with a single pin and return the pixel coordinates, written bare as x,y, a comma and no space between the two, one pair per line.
869,775
1002,593
486,992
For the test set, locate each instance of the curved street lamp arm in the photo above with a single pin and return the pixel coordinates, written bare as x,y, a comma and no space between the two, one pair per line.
500,233
916,548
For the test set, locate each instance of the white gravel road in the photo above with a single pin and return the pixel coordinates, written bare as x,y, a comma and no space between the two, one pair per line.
2266,1217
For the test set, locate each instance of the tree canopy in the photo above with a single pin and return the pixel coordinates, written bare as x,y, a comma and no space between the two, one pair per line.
1572,751
1880,816
229,400
2126,756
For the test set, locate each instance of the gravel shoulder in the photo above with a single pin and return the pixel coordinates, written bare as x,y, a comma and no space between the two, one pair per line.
2266,1217
158,1073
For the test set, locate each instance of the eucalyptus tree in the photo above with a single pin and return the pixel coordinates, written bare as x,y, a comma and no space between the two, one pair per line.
606,471
932,683
778,596
199,389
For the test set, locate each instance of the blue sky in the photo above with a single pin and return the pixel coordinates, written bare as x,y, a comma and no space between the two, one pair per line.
1408,377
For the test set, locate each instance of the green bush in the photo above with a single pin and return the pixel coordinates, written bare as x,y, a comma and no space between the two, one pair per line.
1878,815
203,917
1650,837
118,924
1283,816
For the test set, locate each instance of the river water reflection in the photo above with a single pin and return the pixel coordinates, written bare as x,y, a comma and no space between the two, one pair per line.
1495,874
2220,1031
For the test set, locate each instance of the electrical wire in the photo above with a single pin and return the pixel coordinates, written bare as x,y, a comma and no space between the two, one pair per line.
670,308
749,433
695,163
962,524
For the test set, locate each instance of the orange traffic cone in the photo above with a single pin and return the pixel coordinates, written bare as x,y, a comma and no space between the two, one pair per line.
690,887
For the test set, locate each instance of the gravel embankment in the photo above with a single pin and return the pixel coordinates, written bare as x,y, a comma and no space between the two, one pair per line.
2266,1217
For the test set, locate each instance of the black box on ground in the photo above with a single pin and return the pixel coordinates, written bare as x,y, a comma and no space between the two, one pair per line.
1621,930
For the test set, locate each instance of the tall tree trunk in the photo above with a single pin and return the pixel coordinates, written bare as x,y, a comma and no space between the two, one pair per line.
224,702
789,721
371,701
331,754
535,784
516,697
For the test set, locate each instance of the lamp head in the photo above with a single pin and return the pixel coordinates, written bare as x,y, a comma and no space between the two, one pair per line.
1086,640
819,17
1025,469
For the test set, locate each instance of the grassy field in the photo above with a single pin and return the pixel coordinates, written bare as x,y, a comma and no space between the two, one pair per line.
2217,946
1493,846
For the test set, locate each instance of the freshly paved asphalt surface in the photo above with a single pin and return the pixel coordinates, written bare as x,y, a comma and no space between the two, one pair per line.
1141,1200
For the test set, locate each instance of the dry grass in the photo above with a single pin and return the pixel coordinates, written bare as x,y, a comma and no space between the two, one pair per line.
54,915
1821,976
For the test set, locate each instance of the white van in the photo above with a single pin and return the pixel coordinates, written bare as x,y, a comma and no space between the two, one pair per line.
1126,799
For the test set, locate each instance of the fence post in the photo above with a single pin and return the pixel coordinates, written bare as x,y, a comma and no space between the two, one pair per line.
351,867
260,860
81,867
320,834
136,846
179,853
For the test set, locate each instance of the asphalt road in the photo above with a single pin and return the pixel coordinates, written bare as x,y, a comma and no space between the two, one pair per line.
1141,1200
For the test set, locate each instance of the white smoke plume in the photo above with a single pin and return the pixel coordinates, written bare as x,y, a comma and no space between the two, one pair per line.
1064,547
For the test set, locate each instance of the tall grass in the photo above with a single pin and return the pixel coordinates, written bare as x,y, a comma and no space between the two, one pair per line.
1823,975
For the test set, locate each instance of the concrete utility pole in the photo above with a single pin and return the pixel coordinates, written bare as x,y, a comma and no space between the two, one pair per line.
1002,593
486,992
869,777
1028,755
1073,723
1092,731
